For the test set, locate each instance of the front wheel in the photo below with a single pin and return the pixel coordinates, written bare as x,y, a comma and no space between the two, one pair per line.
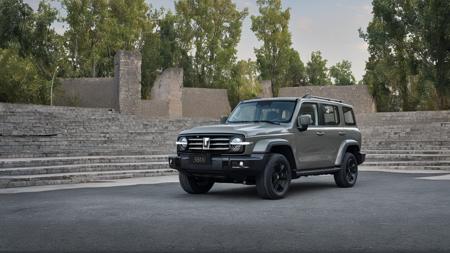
274,181
195,185
347,175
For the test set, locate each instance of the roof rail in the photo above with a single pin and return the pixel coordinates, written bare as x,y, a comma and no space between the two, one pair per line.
324,98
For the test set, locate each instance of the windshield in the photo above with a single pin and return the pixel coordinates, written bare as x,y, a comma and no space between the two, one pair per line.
272,111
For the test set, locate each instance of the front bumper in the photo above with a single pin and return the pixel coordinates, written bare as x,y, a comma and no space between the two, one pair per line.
233,166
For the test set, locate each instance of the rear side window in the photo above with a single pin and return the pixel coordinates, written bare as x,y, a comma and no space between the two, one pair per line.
329,115
349,116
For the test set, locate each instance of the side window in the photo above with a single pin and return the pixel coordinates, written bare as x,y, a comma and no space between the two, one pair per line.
329,115
311,109
349,116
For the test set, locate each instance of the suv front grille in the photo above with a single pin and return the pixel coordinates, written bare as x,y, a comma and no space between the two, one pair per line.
208,143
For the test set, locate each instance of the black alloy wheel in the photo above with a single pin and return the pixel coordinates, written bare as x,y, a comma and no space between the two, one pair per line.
274,181
347,175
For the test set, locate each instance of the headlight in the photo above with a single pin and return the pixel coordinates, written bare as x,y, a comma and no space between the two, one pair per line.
182,143
236,144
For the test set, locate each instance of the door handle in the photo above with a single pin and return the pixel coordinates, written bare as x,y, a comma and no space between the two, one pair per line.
341,133
320,133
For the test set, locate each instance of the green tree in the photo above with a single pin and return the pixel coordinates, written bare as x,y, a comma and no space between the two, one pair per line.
16,25
296,73
209,32
28,42
272,28
244,83
341,73
409,63
161,49
20,79
434,30
97,29
316,70
47,47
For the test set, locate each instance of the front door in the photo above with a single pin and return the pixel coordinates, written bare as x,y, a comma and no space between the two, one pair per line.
309,143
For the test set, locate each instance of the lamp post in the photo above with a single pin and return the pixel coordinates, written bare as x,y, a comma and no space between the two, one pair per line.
51,87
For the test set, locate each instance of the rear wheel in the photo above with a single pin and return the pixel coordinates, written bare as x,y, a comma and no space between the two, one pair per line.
274,181
195,185
347,175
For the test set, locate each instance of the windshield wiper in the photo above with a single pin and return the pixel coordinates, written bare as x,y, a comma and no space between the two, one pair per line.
267,121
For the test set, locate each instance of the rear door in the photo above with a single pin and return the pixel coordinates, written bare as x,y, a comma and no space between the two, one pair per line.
330,133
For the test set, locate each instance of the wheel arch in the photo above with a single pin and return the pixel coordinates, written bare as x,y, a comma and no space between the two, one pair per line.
285,150
351,146
280,146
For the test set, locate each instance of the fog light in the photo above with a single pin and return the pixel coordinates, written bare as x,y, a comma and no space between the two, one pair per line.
241,164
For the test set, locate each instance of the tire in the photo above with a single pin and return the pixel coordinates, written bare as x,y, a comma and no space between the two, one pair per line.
274,181
195,185
347,175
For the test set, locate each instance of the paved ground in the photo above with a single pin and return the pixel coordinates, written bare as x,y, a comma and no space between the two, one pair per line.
384,212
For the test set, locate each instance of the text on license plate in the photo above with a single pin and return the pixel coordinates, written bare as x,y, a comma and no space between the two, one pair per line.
199,159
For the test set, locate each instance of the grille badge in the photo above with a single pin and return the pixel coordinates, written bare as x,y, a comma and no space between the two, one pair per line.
206,142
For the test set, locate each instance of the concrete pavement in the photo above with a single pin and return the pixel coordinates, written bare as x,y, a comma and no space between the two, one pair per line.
384,212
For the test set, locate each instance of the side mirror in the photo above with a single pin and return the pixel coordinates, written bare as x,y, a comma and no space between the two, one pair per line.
223,119
304,121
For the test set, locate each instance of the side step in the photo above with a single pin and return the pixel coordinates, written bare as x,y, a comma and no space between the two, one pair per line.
315,172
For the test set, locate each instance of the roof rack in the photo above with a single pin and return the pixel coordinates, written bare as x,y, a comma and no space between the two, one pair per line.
323,98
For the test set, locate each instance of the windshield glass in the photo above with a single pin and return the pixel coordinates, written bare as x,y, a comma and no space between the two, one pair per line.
272,111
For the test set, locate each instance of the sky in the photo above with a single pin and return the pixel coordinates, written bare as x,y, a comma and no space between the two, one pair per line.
330,26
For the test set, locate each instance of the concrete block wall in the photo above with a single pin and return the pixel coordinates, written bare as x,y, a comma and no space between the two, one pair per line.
87,92
167,90
128,78
266,91
199,102
123,93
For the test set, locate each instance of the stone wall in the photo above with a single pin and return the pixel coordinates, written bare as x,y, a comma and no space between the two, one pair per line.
266,91
167,93
87,92
199,102
356,95
127,74
123,93
152,108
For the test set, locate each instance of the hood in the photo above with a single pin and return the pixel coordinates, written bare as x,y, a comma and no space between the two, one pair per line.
247,129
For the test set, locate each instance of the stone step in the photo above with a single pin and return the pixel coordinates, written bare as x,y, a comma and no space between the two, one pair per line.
407,157
407,163
406,151
73,178
73,160
54,153
404,148
72,168
406,168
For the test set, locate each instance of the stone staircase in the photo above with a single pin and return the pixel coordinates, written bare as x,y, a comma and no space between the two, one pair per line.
42,145
406,140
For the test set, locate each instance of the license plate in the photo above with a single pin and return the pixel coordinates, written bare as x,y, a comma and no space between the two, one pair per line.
199,159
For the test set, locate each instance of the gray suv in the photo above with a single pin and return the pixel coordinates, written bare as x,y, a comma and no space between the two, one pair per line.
268,142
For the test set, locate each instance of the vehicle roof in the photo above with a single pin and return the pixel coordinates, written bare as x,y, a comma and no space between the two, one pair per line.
303,99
